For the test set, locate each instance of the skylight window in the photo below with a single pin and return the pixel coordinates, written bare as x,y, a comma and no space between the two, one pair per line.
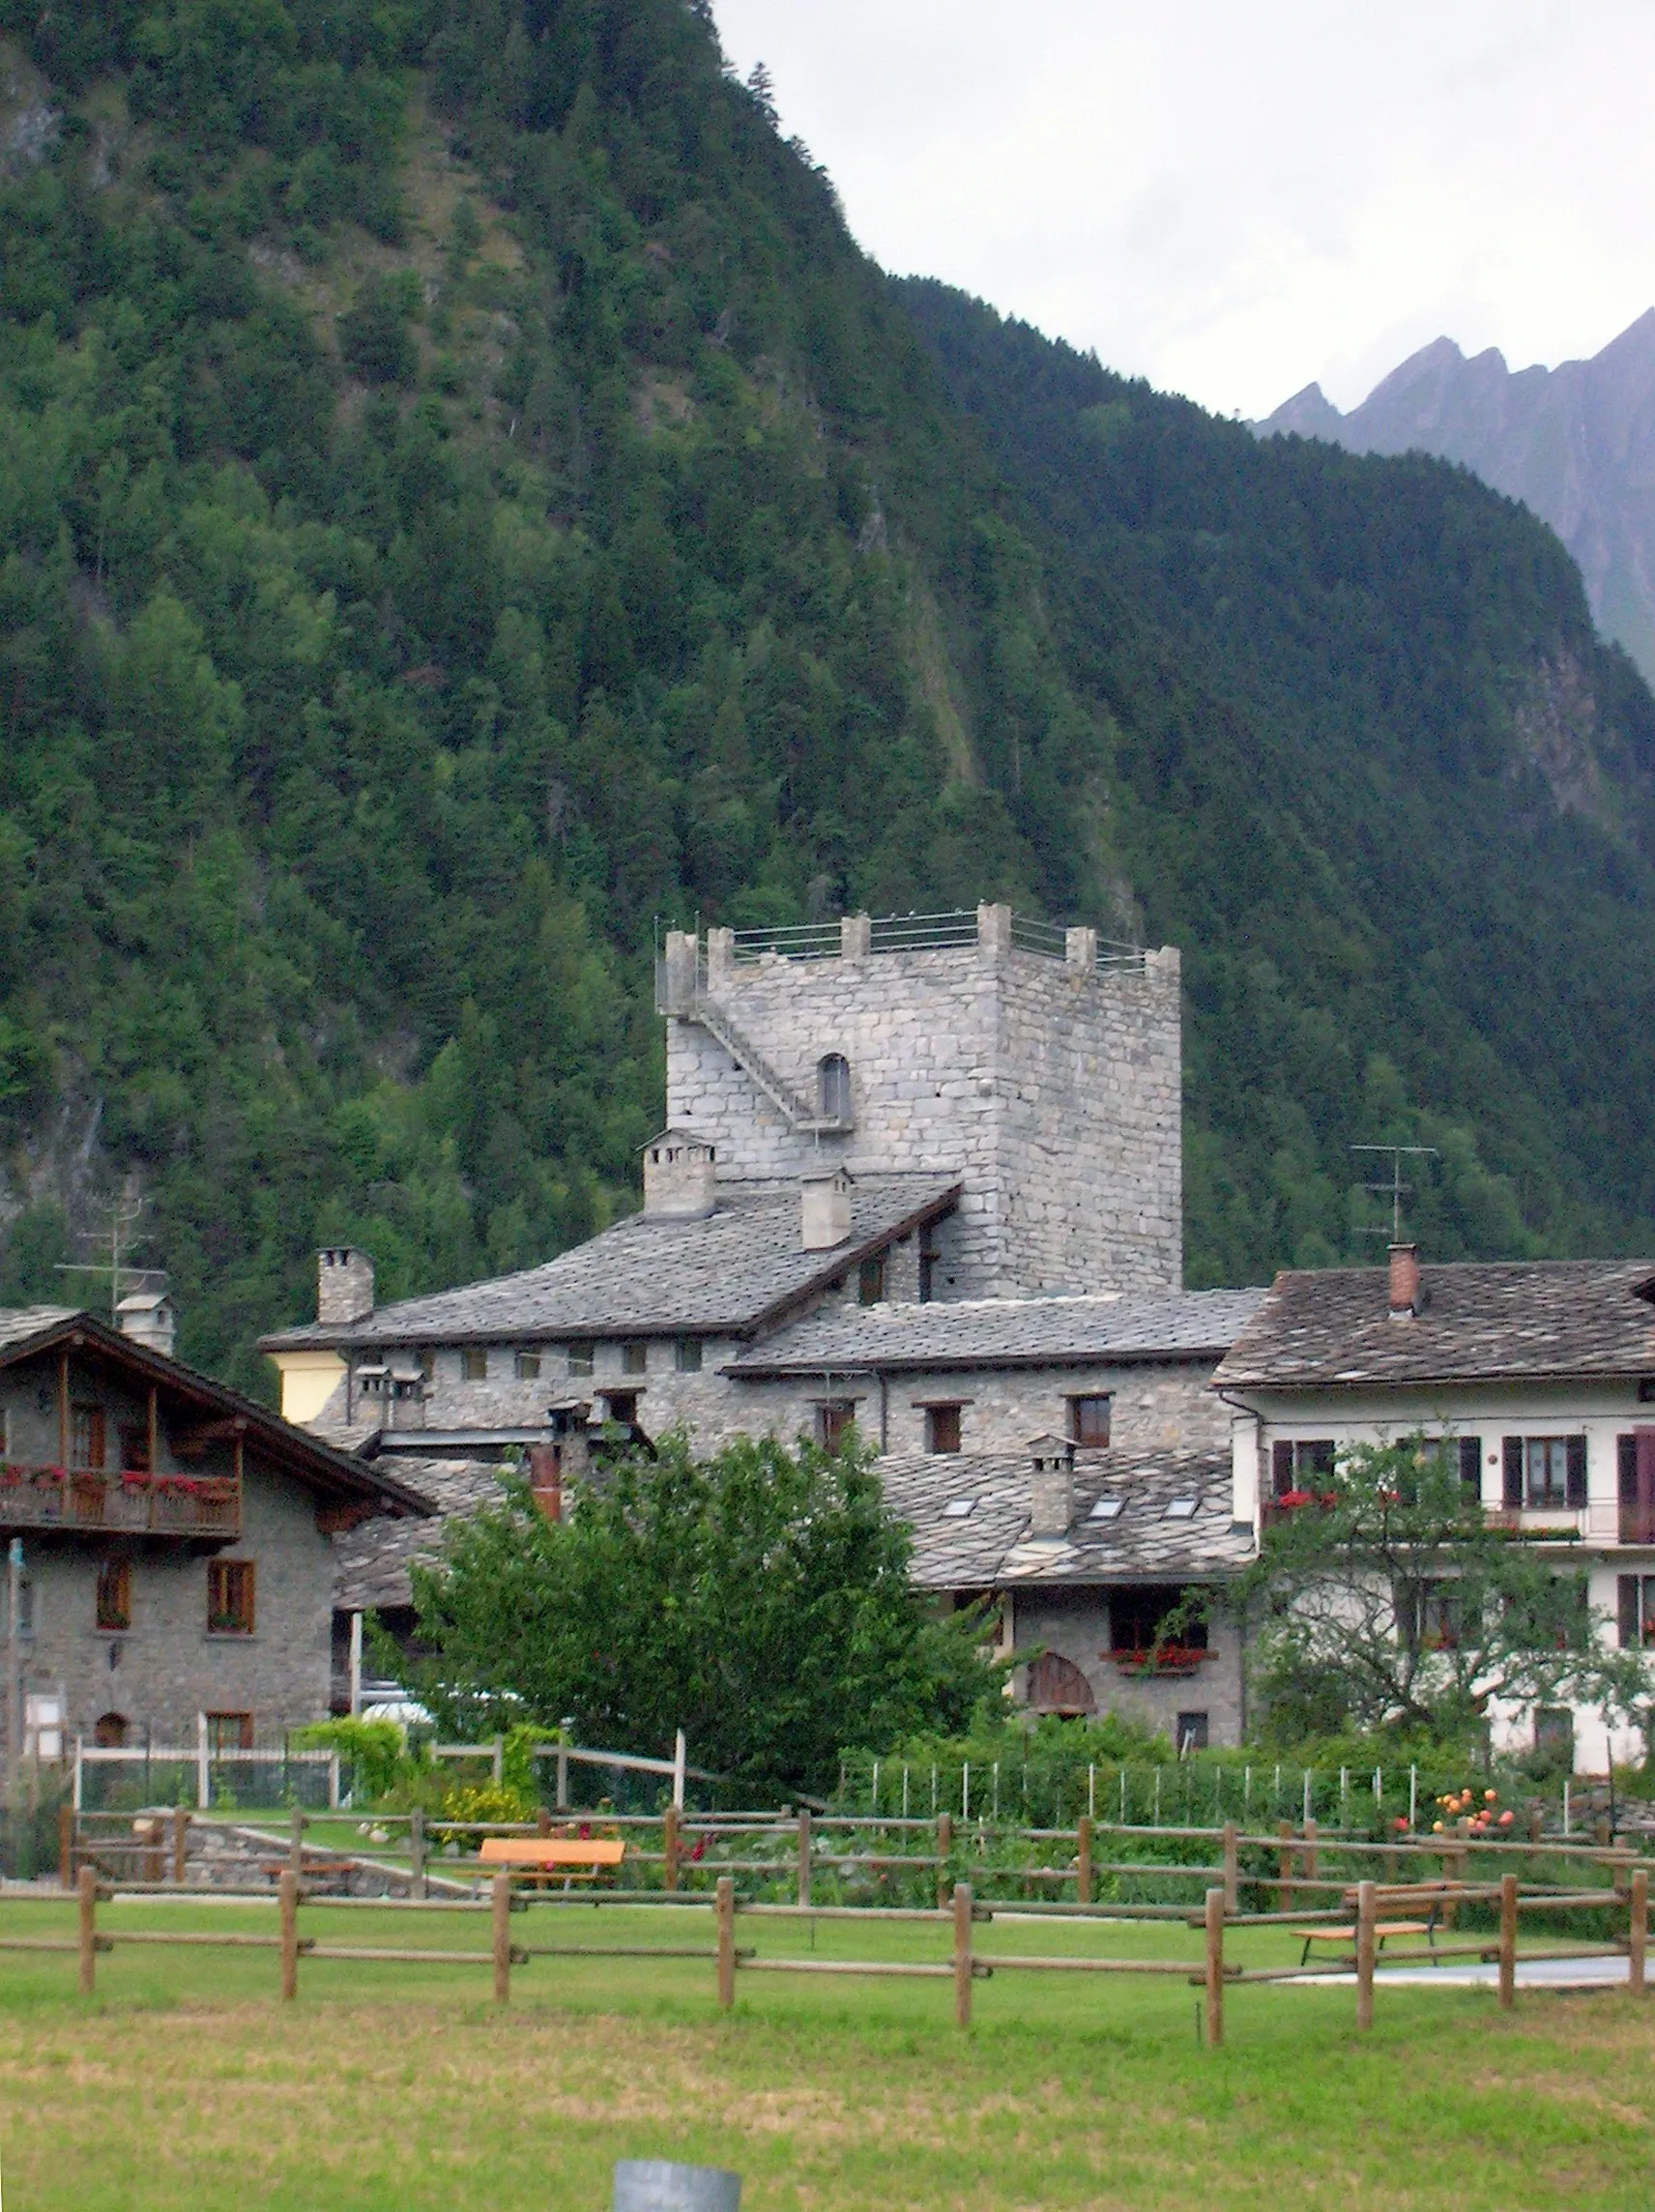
1107,1510
957,1508
1182,1508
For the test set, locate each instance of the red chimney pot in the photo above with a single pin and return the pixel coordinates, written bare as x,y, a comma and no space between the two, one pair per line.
1404,1279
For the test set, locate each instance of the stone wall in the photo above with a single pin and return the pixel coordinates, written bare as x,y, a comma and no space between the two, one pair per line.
167,1668
1051,1087
1075,1623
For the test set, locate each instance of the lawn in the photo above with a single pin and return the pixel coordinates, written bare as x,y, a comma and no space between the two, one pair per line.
185,2085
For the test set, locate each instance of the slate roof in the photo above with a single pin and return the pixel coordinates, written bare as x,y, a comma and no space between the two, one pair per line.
991,1548
1482,1321
322,1466
1005,1332
374,1559
725,1275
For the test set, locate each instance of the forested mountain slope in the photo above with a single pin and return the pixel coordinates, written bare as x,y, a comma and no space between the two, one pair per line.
464,498
1377,775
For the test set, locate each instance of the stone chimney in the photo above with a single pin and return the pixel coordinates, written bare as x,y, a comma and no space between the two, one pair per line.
680,1177
1405,1289
148,1318
1052,1492
344,1286
825,1210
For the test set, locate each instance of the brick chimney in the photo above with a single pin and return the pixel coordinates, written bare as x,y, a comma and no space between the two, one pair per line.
1405,1293
1051,1490
344,1286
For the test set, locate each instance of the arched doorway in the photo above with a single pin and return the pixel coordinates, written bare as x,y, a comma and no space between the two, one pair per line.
1056,1685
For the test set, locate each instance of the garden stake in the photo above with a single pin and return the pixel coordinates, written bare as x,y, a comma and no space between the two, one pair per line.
1083,1860
944,1845
804,1857
725,1915
1508,1943
1366,1944
287,1907
501,1925
669,1847
1232,1877
962,1954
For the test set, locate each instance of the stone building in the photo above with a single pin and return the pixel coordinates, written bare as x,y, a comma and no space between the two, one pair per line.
922,1176
177,1544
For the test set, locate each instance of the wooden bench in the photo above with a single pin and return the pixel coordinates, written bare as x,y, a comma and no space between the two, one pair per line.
1410,1908
577,1858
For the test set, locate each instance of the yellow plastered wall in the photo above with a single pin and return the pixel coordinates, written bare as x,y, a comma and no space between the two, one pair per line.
308,1379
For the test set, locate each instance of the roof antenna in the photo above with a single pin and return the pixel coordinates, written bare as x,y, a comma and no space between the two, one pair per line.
1396,1190
125,1212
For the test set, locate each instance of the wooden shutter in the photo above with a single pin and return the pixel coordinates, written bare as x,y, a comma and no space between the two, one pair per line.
1512,1453
1281,1469
1576,1494
1626,1591
1471,1468
1626,1468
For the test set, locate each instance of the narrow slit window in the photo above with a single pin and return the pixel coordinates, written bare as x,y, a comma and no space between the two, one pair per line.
474,1363
230,1610
528,1367
942,1428
115,1595
1089,1419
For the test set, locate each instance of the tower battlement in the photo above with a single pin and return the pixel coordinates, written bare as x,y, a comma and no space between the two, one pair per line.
1042,1069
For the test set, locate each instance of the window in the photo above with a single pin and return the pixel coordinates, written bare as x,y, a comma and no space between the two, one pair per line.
474,1363
942,1428
227,1734
229,1597
1136,1612
688,1354
1554,1733
635,1358
1300,1463
870,1281
1192,1734
528,1367
1433,1616
1107,1510
115,1595
1182,1509
1089,1419
621,1406
27,1608
927,1272
579,1359
833,1088
109,1732
134,1442
428,1365
1637,1608
1547,1472
86,1439
958,1508
834,1418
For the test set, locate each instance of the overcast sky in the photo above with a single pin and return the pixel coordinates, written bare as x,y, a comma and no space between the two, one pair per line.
1234,199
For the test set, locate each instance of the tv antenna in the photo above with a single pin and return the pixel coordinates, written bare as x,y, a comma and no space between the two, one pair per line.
125,1213
1396,1190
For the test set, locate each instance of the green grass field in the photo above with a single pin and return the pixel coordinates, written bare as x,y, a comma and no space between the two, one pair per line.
184,2083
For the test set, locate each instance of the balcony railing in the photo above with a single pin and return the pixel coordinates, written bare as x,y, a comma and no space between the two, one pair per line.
127,1503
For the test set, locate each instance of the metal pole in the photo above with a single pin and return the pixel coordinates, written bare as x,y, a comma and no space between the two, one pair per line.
13,1668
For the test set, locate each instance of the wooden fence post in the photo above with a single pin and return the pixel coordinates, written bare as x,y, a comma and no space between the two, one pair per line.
296,1843
180,1844
670,1845
1508,1943
803,1856
287,1894
1366,1945
417,1851
1083,1860
1231,1872
501,1899
65,1847
1307,1859
88,1903
962,1954
1636,1931
1284,1887
1214,1969
725,1915
945,1847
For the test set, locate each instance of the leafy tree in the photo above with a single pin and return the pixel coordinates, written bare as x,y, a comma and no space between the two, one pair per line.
1389,1600
758,1599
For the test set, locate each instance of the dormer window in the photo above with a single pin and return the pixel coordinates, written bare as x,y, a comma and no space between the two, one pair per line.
870,1281
833,1088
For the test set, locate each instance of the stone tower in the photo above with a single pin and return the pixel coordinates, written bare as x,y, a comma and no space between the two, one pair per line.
1044,1074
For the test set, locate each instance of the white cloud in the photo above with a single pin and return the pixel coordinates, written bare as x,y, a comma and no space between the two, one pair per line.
1234,200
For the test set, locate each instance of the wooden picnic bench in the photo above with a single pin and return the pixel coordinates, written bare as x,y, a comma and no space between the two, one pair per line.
1408,1908
577,1858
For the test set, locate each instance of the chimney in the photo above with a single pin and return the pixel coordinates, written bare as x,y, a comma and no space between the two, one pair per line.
1406,1299
1051,1493
148,1319
680,1177
825,1210
344,1286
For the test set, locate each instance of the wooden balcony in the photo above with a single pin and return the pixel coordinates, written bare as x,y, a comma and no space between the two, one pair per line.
84,1500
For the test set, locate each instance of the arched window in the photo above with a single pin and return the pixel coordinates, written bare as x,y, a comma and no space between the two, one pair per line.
109,1732
833,1088
1056,1685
